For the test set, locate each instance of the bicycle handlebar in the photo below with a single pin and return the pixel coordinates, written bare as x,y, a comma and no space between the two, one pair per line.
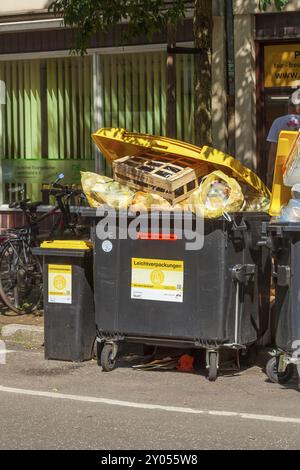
58,190
18,204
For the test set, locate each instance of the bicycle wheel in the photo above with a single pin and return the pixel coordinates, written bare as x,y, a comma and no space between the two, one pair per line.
21,278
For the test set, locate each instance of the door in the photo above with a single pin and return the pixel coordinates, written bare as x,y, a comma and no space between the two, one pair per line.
278,74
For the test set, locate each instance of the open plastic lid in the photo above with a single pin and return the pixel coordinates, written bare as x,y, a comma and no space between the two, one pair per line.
281,194
115,143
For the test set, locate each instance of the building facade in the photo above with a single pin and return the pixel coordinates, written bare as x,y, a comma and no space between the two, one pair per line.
54,101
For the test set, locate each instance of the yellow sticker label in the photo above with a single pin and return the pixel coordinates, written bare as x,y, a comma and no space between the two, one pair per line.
157,279
60,283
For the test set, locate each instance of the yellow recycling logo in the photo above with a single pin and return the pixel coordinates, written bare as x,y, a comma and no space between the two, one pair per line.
157,277
59,282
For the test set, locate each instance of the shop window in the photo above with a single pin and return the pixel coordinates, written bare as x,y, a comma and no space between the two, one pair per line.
47,122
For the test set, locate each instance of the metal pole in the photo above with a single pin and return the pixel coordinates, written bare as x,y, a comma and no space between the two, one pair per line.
237,309
2,102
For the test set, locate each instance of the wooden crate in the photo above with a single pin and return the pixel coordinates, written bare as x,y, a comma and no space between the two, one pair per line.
173,178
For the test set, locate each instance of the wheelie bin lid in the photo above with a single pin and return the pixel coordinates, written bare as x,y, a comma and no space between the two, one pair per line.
67,245
65,248
115,143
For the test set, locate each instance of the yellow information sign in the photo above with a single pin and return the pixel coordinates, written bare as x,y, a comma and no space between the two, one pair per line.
157,279
60,283
282,65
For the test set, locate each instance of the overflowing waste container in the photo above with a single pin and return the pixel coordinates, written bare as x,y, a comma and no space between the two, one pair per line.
283,239
285,243
69,317
150,288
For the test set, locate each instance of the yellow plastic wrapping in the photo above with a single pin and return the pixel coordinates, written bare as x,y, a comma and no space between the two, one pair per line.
210,205
100,190
150,201
146,201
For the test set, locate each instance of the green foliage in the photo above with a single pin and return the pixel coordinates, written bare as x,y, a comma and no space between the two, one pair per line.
279,4
144,17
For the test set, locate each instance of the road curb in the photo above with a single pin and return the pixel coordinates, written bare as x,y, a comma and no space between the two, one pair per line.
30,335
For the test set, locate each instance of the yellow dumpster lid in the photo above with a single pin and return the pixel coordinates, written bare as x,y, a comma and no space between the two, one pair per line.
116,143
281,194
67,244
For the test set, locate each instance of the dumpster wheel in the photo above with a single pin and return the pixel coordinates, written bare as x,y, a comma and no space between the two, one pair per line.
108,358
278,377
213,366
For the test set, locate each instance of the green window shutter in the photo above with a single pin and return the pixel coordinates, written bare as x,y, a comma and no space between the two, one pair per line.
128,92
135,96
22,112
14,78
8,108
52,109
163,59
186,107
35,105
142,93
27,110
134,91
114,93
149,78
157,94
61,122
178,98
121,95
108,89
48,112
80,107
67,107
75,118
87,107
21,108
184,98
38,92
192,122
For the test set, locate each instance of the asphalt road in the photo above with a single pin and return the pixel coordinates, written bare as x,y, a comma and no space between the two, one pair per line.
58,405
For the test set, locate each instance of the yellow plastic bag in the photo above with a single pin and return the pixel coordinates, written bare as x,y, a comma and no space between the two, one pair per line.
101,190
145,201
217,194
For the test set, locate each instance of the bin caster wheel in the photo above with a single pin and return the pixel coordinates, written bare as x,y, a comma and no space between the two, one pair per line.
107,361
213,366
275,376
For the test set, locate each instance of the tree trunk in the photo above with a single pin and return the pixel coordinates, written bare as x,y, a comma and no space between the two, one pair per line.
171,130
203,24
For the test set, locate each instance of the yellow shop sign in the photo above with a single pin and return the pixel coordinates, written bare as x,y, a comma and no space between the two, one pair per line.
282,65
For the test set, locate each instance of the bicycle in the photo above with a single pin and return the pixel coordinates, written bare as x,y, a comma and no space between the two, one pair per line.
21,278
